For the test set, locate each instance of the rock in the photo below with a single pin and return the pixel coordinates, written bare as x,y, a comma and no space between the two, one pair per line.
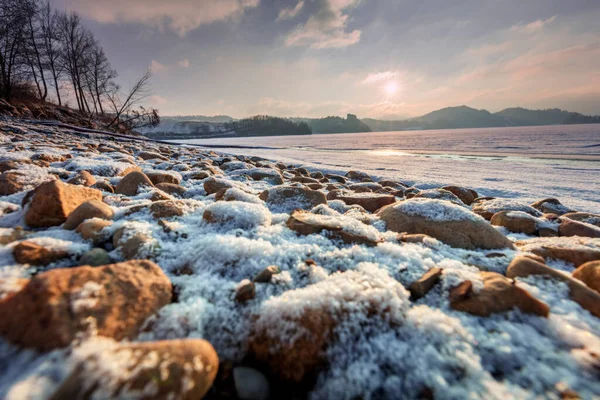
171,188
356,175
235,194
569,227
95,257
148,155
579,293
393,184
365,187
89,209
34,254
83,178
133,244
293,330
337,178
488,206
170,369
369,201
293,197
102,185
52,202
162,177
56,305
516,221
551,206
415,238
304,179
166,209
589,273
213,185
11,182
575,249
439,194
237,214
499,294
92,229
452,224
425,283
266,274
12,235
199,175
307,223
271,175
250,384
131,183
588,218
465,195
245,291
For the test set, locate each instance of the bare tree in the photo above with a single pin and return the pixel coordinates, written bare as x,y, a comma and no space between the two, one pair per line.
32,45
51,46
124,106
12,30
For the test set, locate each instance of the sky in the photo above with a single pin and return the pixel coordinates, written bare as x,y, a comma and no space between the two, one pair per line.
387,59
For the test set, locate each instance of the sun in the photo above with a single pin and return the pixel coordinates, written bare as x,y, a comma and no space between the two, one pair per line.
390,88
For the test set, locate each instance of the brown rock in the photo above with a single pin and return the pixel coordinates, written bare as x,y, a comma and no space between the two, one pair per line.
588,218
162,177
356,175
514,221
148,155
178,369
245,291
83,178
92,229
569,227
422,286
53,201
266,274
213,185
89,209
102,185
369,201
34,254
440,194
304,179
488,206
414,238
11,182
132,244
12,235
171,188
200,175
131,183
294,196
55,305
589,273
464,194
551,206
166,209
579,293
575,250
453,225
499,294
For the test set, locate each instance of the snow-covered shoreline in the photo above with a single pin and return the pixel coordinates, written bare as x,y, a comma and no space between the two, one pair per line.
340,315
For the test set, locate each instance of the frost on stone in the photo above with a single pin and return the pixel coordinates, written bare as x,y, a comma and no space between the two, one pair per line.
238,214
500,204
435,210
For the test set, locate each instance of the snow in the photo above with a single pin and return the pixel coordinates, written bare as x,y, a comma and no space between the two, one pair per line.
408,349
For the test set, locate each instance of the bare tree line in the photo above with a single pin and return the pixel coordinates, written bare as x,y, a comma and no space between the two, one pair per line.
53,53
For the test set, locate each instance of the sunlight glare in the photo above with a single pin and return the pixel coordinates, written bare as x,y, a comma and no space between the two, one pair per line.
391,88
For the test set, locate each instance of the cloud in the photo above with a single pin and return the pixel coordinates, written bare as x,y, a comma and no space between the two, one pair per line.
157,100
180,16
375,77
157,67
185,63
326,28
533,26
290,12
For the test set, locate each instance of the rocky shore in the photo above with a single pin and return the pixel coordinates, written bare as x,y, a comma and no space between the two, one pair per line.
133,269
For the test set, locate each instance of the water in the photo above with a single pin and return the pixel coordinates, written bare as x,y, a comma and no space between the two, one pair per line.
523,162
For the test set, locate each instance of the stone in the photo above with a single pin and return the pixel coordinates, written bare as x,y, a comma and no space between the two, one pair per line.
271,175
365,187
182,369
515,221
304,179
451,224
92,229
245,291
575,250
200,175
569,227
132,244
89,209
105,186
131,183
439,194
393,184
293,197
162,177
166,209
83,178
369,201
589,273
551,205
171,188
34,254
337,178
95,257
250,384
307,223
52,202
499,294
579,293
149,155
56,305
421,287
213,185
11,183
356,175
10,235
464,194
588,218
488,206
266,274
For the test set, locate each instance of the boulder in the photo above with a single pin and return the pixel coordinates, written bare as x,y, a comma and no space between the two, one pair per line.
171,188
369,201
52,202
551,206
515,221
424,284
213,185
356,175
588,218
488,206
268,174
499,294
589,273
11,183
92,229
293,197
56,305
166,209
95,257
133,244
149,155
439,194
89,209
12,235
162,177
569,227
575,249
83,178
579,293
103,185
465,195
131,183
34,254
447,222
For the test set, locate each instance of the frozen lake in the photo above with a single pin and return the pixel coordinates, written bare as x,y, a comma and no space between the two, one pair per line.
522,162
